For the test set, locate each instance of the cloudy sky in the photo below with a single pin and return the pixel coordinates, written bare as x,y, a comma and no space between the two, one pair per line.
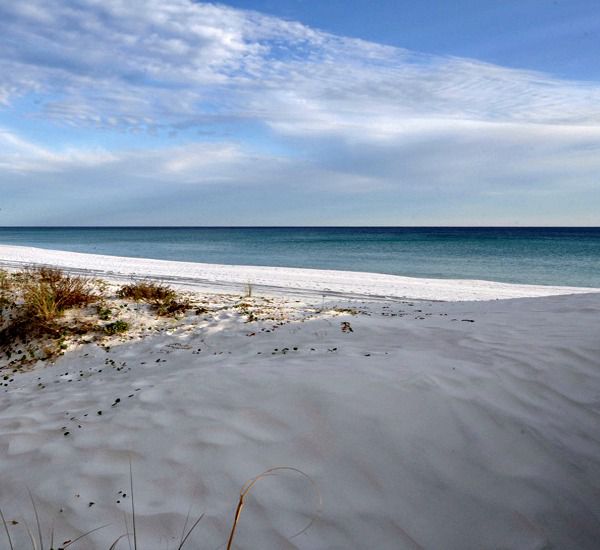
291,112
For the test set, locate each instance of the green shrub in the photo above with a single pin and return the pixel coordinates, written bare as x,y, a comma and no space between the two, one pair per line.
103,312
116,327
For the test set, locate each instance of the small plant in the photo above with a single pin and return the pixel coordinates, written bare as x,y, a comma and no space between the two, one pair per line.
103,312
116,327
172,307
147,291
163,299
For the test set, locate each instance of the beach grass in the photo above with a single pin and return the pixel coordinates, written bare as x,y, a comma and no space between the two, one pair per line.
45,310
42,309
163,299
147,291
33,302
37,538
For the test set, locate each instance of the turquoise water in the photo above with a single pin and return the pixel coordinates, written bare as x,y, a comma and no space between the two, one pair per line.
554,256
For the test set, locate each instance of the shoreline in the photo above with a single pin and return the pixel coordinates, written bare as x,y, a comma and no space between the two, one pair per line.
220,277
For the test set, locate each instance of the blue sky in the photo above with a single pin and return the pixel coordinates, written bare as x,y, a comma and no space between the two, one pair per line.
295,112
560,37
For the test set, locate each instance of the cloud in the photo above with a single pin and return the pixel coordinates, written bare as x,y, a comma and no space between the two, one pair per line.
450,159
294,108
156,63
19,156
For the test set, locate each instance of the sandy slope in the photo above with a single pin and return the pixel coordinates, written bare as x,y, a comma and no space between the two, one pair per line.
277,278
431,425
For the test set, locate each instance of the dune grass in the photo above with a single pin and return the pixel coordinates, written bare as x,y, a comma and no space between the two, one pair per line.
43,294
5,289
147,291
37,539
163,299
34,300
247,487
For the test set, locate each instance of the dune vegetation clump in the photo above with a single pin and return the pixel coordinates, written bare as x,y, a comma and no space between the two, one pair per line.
116,327
33,303
163,299
48,292
147,291
5,289
43,310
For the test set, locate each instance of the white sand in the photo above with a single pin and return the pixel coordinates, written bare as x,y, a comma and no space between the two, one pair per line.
273,278
433,425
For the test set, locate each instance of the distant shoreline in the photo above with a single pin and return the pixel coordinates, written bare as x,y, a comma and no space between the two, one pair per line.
218,277
529,256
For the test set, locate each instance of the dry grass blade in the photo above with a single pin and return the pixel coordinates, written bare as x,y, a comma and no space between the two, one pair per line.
127,533
31,538
187,518
10,544
189,532
132,505
248,486
37,520
84,535
114,544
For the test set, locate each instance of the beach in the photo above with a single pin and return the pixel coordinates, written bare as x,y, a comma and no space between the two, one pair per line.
426,413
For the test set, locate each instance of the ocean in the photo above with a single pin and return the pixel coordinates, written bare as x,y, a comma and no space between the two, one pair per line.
552,256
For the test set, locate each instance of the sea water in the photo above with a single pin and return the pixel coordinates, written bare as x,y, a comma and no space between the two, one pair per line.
553,256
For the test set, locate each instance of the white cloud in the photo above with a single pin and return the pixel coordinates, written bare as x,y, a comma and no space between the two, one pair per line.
158,62
358,117
19,156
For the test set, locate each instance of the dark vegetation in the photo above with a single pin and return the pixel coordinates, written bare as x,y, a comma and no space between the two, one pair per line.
116,327
32,307
42,309
162,299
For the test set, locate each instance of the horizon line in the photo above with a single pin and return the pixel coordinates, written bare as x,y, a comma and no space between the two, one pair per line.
299,226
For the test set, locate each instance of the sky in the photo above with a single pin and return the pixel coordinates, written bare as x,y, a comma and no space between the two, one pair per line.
297,112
